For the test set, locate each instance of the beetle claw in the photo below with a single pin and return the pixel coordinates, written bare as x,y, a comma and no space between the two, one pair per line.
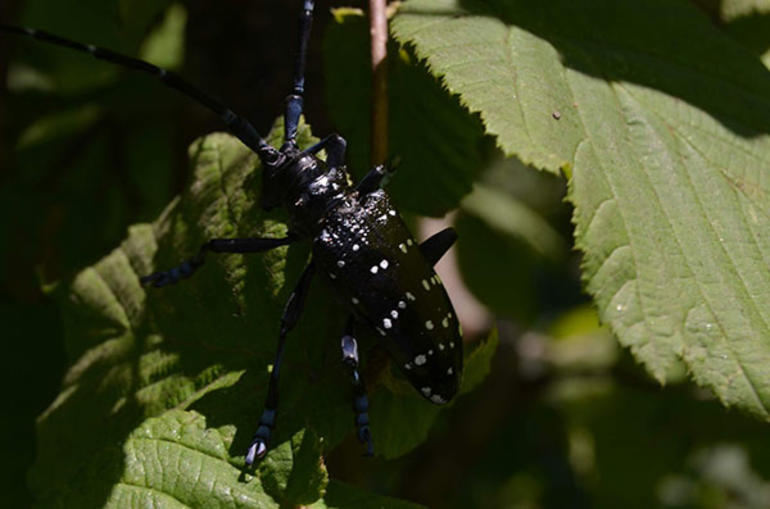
256,451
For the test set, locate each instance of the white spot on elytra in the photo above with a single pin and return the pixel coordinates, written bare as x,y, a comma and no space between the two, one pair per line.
383,217
340,263
409,242
402,304
402,247
387,323
420,360
384,264
426,391
392,212
407,366
450,371
429,325
433,280
425,284
410,296
451,344
394,314
441,346
430,352
331,275
354,300
374,269
449,315
437,399
382,332
445,322
355,247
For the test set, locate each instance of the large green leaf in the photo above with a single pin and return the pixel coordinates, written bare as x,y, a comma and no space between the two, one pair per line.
661,121
166,384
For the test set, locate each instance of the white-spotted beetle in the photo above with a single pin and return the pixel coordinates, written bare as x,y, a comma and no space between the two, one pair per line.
359,241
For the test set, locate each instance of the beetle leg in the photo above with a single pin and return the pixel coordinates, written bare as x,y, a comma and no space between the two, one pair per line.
294,100
360,400
187,267
435,246
335,146
372,180
258,446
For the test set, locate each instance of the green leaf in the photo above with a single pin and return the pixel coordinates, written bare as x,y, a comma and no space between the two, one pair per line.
661,120
178,375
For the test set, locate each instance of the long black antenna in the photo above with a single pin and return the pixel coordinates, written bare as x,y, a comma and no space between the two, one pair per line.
294,101
238,125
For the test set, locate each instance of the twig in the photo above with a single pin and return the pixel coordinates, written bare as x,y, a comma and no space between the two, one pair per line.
378,30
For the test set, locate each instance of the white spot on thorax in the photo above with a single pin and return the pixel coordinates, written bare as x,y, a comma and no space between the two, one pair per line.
402,304
374,269
394,314
420,360
392,212
384,264
355,247
387,323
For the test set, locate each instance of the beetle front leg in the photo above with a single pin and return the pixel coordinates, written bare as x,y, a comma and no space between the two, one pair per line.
335,146
291,313
360,399
189,266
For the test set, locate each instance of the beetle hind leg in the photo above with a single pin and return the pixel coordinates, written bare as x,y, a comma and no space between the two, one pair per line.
259,442
360,399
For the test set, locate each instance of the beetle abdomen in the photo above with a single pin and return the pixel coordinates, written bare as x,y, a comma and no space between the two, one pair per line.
377,267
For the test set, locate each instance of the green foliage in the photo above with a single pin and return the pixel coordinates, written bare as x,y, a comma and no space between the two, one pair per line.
656,115
666,151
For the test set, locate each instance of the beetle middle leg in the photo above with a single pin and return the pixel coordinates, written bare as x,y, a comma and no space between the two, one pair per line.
291,313
189,266
360,399
435,246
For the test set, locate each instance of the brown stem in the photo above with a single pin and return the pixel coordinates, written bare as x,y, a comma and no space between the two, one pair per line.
378,29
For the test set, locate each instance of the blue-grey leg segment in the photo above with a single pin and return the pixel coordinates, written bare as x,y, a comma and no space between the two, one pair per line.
291,313
435,246
360,400
294,100
187,267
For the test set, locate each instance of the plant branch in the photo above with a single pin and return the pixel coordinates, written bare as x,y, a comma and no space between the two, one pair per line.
378,30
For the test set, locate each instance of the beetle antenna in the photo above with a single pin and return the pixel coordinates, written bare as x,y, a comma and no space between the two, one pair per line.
294,100
237,125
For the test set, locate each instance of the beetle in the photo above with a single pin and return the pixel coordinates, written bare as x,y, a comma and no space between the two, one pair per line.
359,242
